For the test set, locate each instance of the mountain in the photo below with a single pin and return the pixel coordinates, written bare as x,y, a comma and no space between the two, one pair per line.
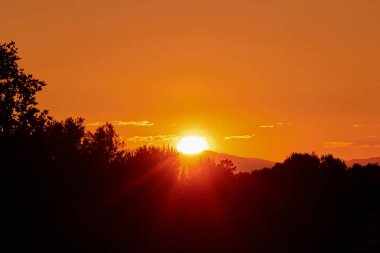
363,161
243,164
248,164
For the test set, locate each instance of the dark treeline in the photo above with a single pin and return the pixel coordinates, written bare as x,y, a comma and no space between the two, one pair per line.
71,190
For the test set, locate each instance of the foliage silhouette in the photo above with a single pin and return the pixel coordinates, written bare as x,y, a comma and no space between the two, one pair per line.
18,111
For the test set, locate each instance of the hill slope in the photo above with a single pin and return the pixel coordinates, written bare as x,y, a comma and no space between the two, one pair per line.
243,164
248,164
363,161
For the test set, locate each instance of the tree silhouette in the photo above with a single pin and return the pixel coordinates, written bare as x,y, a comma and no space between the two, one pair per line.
63,140
332,165
104,145
18,111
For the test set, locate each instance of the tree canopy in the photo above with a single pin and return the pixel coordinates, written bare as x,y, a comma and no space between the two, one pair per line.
18,106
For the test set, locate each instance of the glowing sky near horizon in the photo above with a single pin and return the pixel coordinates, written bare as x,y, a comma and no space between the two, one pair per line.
257,78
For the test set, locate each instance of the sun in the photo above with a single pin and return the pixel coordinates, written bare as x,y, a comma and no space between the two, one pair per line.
192,144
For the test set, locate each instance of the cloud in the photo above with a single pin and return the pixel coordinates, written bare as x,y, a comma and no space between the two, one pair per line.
94,124
153,138
368,146
132,123
358,125
336,144
278,124
141,123
246,136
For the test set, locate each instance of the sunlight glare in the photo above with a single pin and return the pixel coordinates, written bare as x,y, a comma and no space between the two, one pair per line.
192,144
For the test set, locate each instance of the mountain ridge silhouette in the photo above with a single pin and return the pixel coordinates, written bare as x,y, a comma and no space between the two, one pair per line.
248,164
243,164
363,161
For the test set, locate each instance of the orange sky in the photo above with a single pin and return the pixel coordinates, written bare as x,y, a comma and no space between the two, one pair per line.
308,70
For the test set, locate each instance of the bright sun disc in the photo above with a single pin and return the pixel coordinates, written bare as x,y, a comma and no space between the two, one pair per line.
192,144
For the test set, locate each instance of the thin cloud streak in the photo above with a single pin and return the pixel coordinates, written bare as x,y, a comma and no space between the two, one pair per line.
368,146
246,136
278,124
336,144
153,138
141,123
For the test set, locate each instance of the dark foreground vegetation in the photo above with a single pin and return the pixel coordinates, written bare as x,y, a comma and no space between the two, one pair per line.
69,190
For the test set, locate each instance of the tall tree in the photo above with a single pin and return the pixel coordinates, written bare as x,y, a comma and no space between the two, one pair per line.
18,106
105,145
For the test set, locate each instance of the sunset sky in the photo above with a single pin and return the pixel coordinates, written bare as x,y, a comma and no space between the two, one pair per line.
256,78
